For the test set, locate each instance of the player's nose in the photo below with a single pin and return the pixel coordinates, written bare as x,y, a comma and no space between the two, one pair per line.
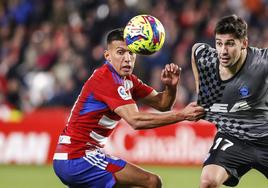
127,57
224,49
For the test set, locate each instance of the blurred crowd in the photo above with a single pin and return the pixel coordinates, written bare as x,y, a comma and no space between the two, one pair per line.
48,49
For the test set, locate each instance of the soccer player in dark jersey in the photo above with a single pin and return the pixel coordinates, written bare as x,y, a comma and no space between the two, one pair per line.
107,96
232,85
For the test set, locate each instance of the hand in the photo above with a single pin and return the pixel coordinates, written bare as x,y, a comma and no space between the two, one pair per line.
170,75
193,112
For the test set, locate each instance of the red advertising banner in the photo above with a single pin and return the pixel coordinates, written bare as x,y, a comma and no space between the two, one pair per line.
184,143
33,138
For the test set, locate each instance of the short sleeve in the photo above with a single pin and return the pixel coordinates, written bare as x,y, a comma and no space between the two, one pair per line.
111,93
199,49
140,89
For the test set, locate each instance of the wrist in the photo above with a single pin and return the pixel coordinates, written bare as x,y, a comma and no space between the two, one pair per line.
170,88
181,116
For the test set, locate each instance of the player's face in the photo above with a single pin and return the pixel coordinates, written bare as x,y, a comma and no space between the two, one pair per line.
229,49
120,57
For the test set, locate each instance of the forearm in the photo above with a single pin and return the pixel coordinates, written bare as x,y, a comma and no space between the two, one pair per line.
166,99
144,120
147,120
169,96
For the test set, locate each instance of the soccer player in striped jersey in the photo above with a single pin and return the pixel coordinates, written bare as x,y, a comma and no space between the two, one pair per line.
107,96
232,85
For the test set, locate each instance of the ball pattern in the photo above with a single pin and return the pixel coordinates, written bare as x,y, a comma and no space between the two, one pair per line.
144,35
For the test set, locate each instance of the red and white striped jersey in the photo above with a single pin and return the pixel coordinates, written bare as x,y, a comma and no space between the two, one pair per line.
92,118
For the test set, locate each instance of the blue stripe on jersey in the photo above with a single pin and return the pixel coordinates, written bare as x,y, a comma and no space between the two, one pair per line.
92,105
116,78
115,75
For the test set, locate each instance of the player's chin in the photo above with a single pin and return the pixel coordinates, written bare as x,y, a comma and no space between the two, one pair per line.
225,63
126,72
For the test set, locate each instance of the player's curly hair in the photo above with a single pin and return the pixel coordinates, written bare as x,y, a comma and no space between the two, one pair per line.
234,25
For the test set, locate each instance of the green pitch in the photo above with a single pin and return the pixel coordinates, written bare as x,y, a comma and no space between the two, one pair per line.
188,177
12,176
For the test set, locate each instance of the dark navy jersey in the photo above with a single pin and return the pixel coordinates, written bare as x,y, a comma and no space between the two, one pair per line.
238,106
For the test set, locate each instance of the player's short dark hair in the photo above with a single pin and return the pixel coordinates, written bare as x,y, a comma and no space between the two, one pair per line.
232,25
115,34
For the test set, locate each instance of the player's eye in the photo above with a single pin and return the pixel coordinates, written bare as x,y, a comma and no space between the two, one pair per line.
131,53
120,52
230,44
219,44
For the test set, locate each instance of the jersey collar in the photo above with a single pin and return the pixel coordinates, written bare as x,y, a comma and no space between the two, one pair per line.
115,73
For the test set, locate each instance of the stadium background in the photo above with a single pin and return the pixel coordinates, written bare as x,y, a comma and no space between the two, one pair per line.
49,48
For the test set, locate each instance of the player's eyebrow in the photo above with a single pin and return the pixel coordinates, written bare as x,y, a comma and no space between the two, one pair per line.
228,40
121,48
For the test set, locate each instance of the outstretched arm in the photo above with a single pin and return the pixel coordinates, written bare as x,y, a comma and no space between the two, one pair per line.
164,100
194,67
147,120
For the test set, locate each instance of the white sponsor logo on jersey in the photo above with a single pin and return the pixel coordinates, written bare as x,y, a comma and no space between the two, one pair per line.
239,106
123,93
128,84
217,107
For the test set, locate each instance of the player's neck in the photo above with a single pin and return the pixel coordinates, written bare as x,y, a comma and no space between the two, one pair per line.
228,72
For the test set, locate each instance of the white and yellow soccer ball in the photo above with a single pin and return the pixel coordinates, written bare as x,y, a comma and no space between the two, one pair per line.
144,34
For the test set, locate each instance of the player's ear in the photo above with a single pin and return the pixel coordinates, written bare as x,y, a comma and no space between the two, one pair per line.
245,43
107,55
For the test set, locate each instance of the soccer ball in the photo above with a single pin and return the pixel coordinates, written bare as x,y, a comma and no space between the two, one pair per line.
144,35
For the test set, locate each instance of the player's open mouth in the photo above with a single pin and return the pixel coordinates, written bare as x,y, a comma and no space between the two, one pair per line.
126,68
224,59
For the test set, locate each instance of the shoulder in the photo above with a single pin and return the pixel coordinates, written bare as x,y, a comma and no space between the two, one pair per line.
200,47
259,56
135,80
100,80
104,75
262,52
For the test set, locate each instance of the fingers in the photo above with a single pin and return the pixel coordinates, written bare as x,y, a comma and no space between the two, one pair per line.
199,110
194,112
172,68
193,104
196,116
